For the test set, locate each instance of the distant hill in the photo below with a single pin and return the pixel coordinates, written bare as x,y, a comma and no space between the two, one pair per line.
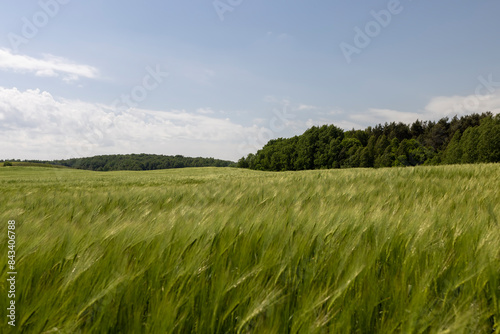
29,164
129,162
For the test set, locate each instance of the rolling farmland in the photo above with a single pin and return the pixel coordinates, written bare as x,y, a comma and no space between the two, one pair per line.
224,250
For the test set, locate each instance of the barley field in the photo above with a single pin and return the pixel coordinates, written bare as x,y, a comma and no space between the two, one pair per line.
223,250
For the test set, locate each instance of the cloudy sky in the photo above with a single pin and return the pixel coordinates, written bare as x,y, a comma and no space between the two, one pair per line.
221,78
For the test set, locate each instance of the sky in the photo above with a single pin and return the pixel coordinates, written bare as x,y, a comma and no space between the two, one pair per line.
221,78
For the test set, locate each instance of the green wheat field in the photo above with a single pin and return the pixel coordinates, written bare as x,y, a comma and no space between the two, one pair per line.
224,250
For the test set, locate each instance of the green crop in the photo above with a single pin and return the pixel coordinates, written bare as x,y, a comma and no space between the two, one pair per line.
222,250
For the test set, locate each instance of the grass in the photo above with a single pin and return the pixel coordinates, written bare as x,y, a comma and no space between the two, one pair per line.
208,250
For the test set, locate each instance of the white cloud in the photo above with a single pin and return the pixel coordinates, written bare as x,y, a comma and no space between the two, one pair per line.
259,120
205,111
306,107
49,66
443,106
376,116
437,108
36,125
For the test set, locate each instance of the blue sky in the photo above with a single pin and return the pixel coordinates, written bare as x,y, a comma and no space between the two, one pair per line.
221,78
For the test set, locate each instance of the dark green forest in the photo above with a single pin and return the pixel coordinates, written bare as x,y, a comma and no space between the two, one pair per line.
473,138
135,162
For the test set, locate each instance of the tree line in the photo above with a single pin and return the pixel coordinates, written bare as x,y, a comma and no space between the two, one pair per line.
135,162
473,138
